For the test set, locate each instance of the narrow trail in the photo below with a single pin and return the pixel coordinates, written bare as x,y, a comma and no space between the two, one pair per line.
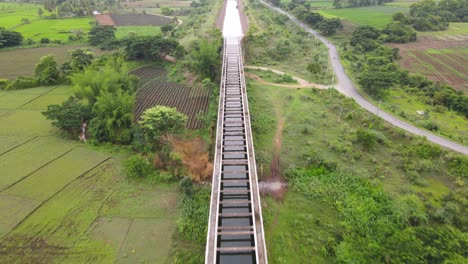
301,82
346,87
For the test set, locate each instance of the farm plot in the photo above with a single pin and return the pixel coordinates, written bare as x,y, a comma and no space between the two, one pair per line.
11,13
132,20
189,100
21,61
444,61
148,73
377,16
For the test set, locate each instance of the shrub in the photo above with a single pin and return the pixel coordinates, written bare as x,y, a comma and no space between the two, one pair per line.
137,167
22,83
69,116
367,138
45,40
4,83
46,72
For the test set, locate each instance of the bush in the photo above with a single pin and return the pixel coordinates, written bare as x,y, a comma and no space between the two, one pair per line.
137,167
45,40
69,116
4,83
22,83
367,138
46,72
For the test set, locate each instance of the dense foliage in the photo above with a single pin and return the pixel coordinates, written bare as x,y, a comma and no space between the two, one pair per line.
377,227
46,72
69,116
430,15
327,26
10,38
358,3
146,47
101,34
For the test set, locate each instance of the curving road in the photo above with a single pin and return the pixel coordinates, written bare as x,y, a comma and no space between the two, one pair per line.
346,87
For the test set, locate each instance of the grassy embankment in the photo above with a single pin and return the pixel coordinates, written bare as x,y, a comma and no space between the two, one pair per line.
65,201
321,128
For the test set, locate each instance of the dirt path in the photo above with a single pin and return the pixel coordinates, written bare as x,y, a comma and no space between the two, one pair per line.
275,185
301,82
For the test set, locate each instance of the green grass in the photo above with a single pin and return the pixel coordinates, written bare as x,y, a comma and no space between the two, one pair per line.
270,76
298,228
123,31
57,206
452,124
377,16
12,13
54,29
26,159
57,174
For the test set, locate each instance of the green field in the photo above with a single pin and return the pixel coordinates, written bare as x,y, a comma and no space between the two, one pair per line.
22,61
377,16
54,29
123,31
64,201
12,13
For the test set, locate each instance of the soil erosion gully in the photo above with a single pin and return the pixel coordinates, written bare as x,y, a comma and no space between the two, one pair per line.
235,230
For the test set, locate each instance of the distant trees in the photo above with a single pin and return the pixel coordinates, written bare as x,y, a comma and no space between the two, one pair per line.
145,47
358,3
329,27
101,34
9,38
205,59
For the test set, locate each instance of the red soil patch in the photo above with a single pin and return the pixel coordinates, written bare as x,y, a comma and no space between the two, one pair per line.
444,67
104,20
195,157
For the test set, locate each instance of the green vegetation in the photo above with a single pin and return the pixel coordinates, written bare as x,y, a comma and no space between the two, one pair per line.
376,16
374,66
398,198
273,40
132,31
272,77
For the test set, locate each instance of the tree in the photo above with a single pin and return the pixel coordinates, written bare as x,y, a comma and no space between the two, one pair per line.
113,117
167,28
40,12
328,27
162,120
399,33
166,11
69,116
25,21
46,72
101,34
366,138
9,38
206,59
314,68
376,83
80,59
92,82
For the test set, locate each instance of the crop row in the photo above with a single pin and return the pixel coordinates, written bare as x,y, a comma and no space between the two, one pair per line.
186,99
147,73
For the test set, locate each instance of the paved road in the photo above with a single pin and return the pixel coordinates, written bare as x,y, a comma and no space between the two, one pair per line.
346,87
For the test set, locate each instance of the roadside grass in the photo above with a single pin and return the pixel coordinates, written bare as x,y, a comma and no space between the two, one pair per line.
451,124
283,45
22,61
314,117
376,16
124,31
298,228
